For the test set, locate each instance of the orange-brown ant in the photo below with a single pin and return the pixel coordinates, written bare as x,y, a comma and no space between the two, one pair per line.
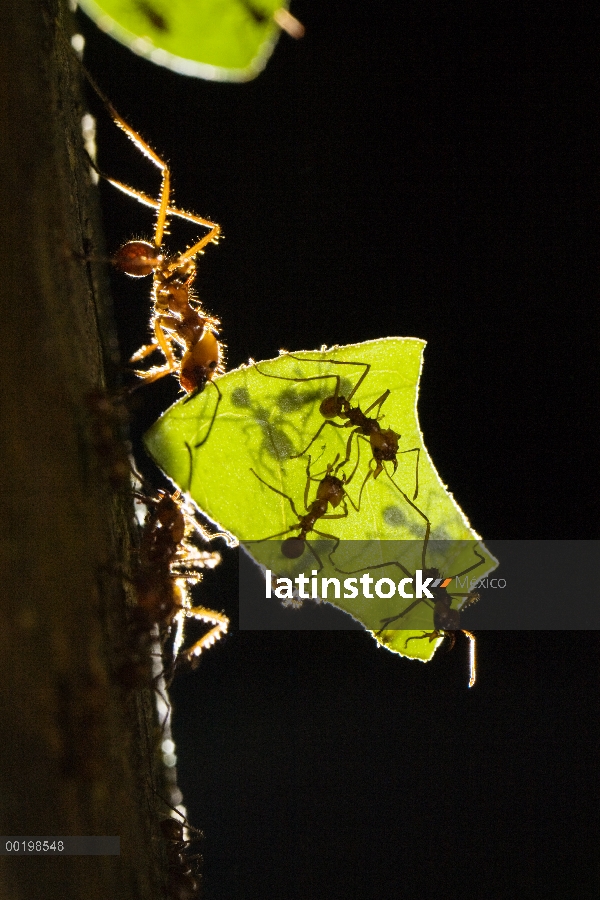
183,332
168,563
446,620
383,442
330,492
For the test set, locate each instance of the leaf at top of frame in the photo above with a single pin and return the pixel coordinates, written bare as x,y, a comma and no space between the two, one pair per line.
261,422
220,40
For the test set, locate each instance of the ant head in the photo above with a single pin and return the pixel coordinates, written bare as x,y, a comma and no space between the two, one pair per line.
199,363
137,258
293,547
384,445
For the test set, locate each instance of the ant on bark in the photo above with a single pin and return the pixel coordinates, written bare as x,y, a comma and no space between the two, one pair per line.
183,868
330,492
183,332
168,565
446,620
383,442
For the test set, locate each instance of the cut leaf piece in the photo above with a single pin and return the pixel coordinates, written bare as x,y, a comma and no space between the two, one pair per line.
237,457
220,40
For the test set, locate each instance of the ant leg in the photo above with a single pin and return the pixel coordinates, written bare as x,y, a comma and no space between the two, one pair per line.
143,352
347,459
307,486
151,375
162,343
330,537
144,199
337,362
416,450
214,415
289,499
326,422
220,624
385,623
189,450
347,481
423,516
155,204
315,554
348,444
432,635
310,378
470,569
143,147
367,476
146,149
213,235
343,515
472,657
378,403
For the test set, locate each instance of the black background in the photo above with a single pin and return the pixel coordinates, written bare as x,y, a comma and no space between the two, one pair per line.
419,169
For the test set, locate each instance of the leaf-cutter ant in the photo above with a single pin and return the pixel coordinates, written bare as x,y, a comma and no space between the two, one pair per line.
331,491
169,563
183,332
446,619
383,441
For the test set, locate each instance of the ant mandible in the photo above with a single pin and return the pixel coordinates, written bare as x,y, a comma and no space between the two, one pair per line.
330,492
383,442
446,620
183,332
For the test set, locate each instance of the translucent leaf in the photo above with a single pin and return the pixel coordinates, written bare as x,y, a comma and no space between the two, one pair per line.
218,450
220,40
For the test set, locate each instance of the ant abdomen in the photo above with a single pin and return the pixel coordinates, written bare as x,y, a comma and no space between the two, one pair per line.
137,258
293,547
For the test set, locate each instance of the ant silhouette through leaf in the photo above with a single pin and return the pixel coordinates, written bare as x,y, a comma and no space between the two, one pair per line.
183,332
383,442
331,491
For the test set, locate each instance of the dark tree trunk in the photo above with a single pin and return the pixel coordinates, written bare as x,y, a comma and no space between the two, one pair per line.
76,752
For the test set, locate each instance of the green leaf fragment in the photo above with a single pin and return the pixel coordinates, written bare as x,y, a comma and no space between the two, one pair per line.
261,422
220,40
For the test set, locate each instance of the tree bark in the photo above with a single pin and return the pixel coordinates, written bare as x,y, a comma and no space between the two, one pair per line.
77,752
